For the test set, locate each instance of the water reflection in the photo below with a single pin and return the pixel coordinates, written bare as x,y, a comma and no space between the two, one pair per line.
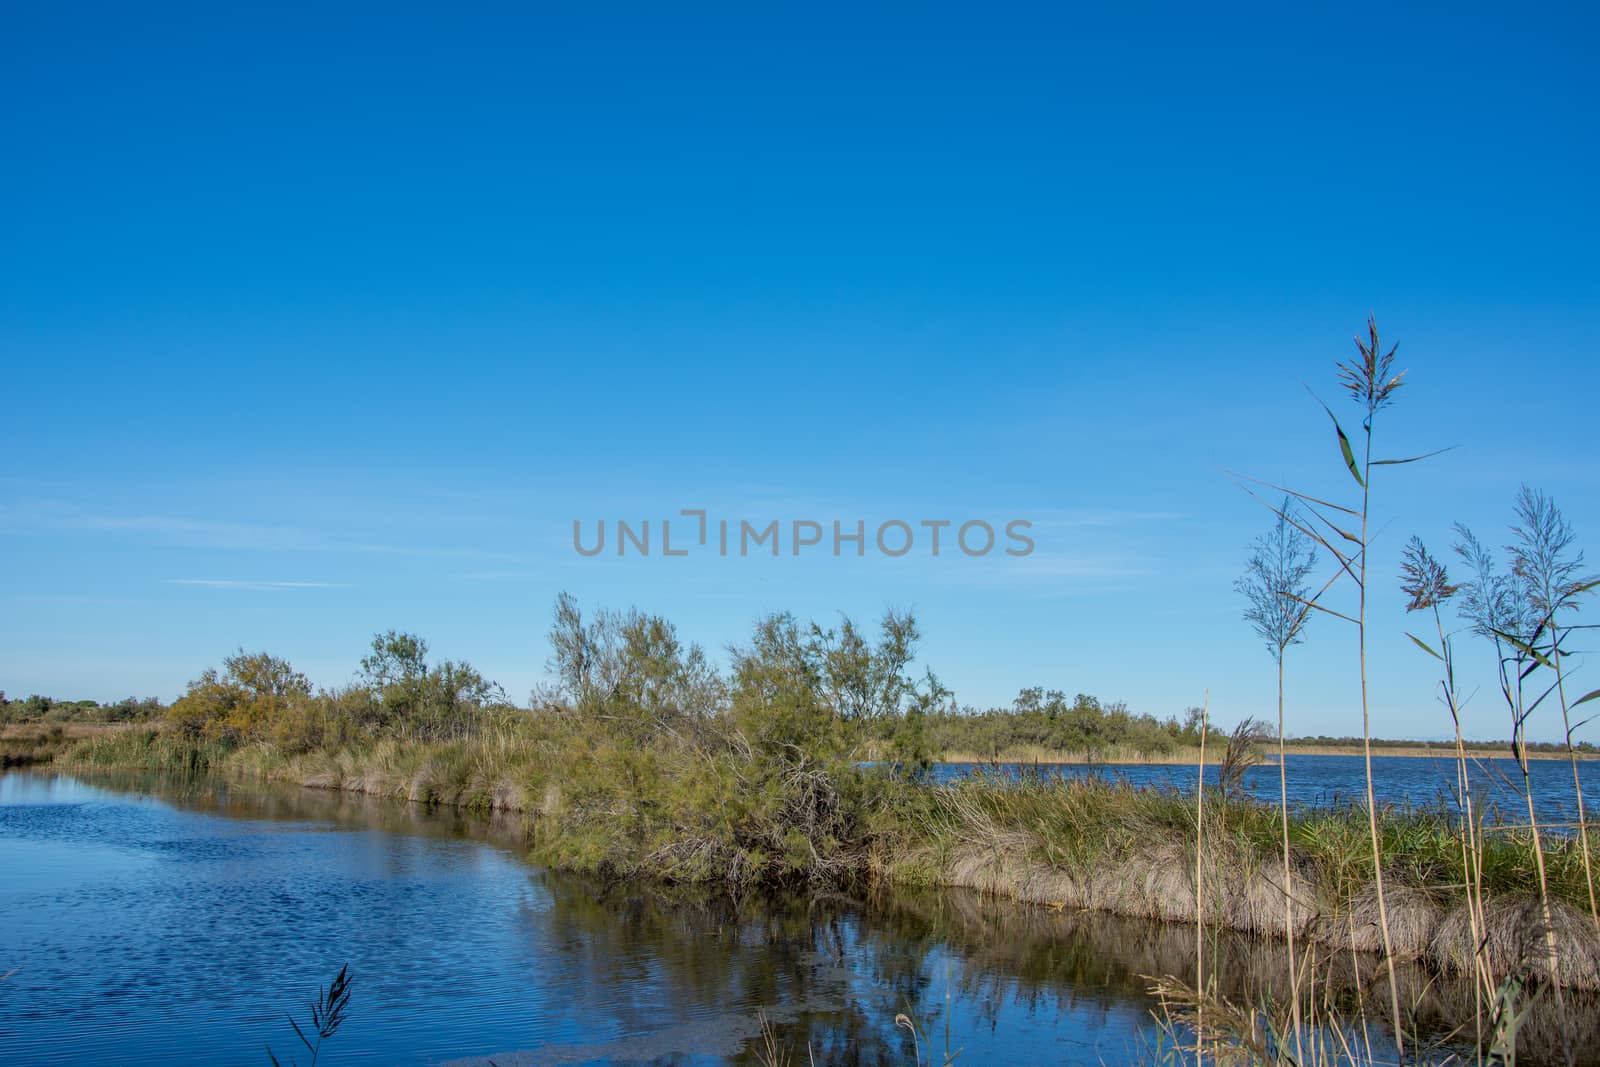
160,921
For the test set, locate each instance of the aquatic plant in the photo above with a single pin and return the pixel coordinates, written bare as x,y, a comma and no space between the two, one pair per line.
1427,585
711,805
1276,586
1519,612
764,789
328,1013
1552,576
1371,382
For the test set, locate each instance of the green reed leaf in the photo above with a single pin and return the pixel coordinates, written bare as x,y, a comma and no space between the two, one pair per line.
1344,443
1420,643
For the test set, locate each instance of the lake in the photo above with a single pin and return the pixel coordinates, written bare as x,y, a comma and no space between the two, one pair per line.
1315,780
148,921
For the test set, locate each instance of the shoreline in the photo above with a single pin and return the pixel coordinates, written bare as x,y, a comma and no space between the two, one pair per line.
979,912
28,743
1269,752
1134,855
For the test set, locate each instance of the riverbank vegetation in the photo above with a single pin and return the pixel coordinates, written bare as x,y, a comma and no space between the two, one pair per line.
1031,731
804,764
48,710
645,762
1046,727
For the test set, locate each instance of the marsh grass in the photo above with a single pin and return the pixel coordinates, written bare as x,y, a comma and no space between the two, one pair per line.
1276,585
645,764
32,743
1443,884
146,748
1344,533
24,746
922,1049
722,819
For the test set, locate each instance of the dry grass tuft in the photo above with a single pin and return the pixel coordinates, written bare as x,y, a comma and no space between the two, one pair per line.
1413,914
1514,942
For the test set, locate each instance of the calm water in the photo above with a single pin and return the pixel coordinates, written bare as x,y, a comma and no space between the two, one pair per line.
1414,781
161,922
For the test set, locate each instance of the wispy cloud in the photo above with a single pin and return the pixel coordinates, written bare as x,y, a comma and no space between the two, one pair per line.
1078,567
199,533
256,584
187,532
55,515
1060,571
1102,517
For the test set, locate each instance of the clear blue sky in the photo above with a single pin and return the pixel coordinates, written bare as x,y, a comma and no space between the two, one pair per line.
320,322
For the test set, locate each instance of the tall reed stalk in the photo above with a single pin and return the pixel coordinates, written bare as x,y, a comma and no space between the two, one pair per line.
1371,383
1425,580
1500,608
1549,569
1199,884
1275,585
1556,656
1366,384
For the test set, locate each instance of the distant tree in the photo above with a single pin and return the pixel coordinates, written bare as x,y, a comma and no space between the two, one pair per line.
242,702
131,709
432,703
1029,701
396,658
1084,727
809,690
631,669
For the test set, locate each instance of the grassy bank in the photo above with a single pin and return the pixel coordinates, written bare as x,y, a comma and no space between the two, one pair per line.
646,765
707,812
803,764
31,744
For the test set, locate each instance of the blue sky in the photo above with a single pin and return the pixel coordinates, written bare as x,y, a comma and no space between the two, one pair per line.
315,323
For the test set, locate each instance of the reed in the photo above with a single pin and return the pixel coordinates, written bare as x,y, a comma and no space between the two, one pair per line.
647,764
1427,584
1371,382
1499,608
327,1014
1276,585
1510,944
1551,573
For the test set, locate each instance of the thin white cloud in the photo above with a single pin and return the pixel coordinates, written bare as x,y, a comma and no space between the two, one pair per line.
37,515
1040,565
1103,517
255,584
1041,573
200,533
212,534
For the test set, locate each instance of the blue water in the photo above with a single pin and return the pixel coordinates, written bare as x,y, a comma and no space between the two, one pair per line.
1401,781
161,922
